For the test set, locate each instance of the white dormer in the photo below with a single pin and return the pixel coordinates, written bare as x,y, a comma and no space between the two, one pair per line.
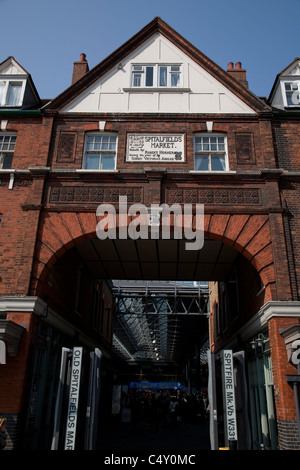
285,93
16,87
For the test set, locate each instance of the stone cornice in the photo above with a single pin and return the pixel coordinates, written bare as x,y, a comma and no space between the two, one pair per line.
269,310
33,304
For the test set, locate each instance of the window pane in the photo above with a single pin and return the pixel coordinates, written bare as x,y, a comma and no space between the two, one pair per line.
175,79
201,163
7,161
13,96
108,161
137,79
217,162
149,76
92,161
7,142
112,144
293,98
198,143
289,99
105,142
162,76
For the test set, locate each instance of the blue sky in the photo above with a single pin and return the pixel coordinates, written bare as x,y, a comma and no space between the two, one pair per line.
47,36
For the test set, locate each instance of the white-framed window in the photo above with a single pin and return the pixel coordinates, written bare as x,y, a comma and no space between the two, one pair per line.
156,75
100,152
210,152
292,93
11,92
7,148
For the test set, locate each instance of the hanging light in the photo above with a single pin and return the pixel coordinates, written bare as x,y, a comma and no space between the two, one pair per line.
259,341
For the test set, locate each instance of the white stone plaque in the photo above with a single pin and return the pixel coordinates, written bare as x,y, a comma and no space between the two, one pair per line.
159,148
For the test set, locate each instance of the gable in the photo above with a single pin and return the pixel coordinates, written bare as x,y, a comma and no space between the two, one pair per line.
199,92
105,89
292,70
11,67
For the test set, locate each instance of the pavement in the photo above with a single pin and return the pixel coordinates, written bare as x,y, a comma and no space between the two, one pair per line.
181,437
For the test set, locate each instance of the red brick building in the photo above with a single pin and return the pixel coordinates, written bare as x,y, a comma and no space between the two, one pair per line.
159,123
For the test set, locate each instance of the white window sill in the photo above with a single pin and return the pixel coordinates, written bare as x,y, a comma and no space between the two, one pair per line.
212,172
149,89
96,171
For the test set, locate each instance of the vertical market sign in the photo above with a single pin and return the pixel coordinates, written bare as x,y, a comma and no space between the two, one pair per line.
229,395
73,399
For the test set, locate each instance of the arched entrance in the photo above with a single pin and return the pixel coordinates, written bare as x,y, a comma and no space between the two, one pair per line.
246,234
237,248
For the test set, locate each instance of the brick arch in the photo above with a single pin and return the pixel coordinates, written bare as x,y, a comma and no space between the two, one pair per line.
248,234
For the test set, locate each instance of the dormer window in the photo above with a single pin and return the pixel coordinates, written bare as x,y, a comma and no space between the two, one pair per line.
292,93
158,75
11,92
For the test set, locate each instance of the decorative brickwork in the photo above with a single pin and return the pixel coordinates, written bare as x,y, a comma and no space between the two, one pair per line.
219,196
94,194
288,432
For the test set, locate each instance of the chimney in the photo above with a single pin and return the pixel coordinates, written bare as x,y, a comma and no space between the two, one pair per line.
238,73
80,68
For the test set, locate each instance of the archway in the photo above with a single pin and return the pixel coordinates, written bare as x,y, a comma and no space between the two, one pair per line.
234,245
246,234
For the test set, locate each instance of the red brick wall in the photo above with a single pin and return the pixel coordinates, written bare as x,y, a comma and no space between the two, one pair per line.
287,143
74,130
19,207
13,374
284,394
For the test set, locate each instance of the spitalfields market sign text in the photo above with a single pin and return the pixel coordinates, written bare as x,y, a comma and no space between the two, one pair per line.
155,221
